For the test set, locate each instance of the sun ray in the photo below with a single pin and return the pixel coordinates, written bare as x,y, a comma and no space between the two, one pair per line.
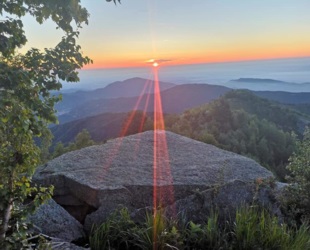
114,151
163,193
130,118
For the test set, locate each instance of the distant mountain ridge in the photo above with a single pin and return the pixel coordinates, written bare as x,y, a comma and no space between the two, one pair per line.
257,80
285,97
174,100
127,88
258,84
131,87
124,96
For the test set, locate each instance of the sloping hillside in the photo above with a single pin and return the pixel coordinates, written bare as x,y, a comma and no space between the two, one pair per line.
101,127
127,88
174,100
285,97
246,124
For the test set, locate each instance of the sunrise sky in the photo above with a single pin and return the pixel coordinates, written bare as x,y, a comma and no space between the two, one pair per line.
186,32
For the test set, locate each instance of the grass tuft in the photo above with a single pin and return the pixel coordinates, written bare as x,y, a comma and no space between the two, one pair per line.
251,228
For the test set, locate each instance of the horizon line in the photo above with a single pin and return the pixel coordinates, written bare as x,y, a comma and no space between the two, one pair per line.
197,63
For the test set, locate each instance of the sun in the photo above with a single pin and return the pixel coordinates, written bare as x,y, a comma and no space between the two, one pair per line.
153,62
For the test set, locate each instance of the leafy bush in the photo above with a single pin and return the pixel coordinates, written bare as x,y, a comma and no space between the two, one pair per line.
298,200
27,102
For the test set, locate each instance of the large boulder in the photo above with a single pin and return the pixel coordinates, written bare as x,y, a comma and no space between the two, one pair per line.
146,169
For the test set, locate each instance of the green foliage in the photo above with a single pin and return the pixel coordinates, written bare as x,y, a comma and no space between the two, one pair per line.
227,123
283,117
251,228
156,232
120,232
302,108
27,197
114,233
27,103
44,145
205,236
59,150
299,188
82,140
254,229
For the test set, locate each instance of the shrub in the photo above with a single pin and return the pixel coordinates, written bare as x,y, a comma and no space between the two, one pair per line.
298,200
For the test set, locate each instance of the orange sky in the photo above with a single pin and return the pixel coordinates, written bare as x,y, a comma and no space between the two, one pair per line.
122,61
186,32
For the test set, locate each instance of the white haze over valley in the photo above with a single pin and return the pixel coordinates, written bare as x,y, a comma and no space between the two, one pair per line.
294,70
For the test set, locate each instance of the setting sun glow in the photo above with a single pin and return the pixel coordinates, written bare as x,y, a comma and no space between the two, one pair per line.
201,38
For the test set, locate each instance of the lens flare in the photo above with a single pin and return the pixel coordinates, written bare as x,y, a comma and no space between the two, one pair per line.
163,192
115,150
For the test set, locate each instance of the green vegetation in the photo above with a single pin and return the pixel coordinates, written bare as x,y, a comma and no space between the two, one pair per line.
283,117
303,108
250,228
27,104
298,200
82,140
254,229
245,124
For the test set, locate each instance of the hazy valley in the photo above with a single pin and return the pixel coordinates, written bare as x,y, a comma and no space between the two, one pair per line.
134,94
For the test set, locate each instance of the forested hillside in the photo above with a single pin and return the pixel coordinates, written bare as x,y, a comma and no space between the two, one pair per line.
246,124
281,115
101,127
285,97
